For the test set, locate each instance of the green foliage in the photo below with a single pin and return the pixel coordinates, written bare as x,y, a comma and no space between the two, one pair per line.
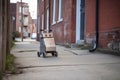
10,66
0,75
85,47
16,34
12,44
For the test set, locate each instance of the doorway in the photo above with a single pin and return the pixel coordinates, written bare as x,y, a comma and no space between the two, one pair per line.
80,21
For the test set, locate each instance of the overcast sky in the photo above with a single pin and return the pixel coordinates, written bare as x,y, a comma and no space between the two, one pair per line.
32,6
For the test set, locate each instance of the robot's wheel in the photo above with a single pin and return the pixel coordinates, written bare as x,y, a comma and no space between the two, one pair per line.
44,54
38,54
56,54
53,53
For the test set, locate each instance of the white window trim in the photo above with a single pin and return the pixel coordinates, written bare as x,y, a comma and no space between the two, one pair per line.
42,21
54,12
47,20
60,12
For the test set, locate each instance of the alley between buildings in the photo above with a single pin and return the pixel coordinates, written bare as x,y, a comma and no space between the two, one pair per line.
67,66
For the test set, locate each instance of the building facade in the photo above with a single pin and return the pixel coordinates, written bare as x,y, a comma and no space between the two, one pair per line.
81,21
108,17
58,15
33,27
24,17
13,16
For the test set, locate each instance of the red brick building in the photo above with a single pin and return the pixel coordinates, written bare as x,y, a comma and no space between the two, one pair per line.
28,23
81,21
108,22
13,16
33,27
25,19
58,15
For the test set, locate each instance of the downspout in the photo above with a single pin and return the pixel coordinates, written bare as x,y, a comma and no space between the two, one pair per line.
44,15
96,28
49,16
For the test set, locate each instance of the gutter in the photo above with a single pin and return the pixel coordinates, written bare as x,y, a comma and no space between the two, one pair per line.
96,42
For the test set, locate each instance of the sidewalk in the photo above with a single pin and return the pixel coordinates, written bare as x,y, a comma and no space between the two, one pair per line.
71,64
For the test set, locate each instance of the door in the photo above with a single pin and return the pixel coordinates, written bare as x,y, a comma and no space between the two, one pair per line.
80,20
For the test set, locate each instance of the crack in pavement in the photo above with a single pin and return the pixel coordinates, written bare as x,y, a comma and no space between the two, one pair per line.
26,51
66,65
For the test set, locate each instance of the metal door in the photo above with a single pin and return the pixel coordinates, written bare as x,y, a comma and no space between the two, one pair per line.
82,21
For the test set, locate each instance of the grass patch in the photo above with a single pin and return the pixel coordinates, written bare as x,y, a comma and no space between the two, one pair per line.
67,46
84,47
1,75
10,66
12,44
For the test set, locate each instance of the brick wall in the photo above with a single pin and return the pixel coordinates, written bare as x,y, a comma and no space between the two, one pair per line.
109,21
64,31
109,17
13,15
18,14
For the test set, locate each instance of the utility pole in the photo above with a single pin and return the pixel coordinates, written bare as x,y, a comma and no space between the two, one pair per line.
21,21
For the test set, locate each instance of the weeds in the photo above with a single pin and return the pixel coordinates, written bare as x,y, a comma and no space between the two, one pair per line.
0,75
12,44
85,47
10,66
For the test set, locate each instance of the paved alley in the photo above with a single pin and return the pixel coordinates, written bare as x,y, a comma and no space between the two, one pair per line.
71,64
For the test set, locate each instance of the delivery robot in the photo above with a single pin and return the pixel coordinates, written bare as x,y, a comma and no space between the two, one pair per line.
47,45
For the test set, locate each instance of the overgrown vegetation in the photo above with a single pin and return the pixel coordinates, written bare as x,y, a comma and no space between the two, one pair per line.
85,47
0,75
10,66
16,34
12,44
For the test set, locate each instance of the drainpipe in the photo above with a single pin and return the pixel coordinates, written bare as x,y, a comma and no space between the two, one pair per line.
44,15
49,14
96,28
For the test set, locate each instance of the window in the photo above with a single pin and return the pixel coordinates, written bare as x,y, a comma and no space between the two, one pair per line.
20,9
19,29
25,21
47,20
54,11
42,21
60,11
20,18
